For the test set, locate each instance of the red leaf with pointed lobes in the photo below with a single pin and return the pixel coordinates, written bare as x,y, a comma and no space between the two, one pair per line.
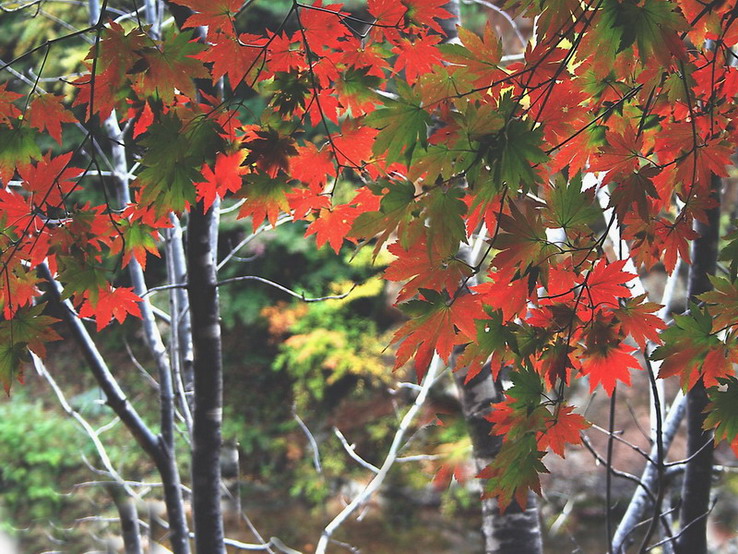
304,201
424,13
332,226
8,110
47,112
620,155
324,31
387,12
562,428
417,57
718,365
637,320
234,57
425,268
505,293
111,303
51,179
216,15
674,240
608,366
433,328
284,54
312,166
606,283
354,146
145,118
225,177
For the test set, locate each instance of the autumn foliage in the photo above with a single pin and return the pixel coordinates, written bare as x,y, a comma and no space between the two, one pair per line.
379,134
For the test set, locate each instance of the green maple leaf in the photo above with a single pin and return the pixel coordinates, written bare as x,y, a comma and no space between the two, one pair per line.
397,209
514,471
512,152
79,276
403,125
29,329
18,148
445,210
648,25
175,153
723,410
12,356
569,206
171,66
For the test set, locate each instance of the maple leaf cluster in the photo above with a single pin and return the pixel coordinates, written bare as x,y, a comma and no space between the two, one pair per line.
378,132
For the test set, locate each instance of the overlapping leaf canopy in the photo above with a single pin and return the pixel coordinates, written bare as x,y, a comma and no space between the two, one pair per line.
377,132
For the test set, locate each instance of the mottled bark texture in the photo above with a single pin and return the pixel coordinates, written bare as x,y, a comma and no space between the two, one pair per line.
202,293
698,475
516,531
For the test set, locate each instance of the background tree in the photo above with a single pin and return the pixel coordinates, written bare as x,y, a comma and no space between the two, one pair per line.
574,166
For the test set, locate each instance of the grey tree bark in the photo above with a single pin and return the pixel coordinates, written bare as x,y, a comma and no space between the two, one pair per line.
202,291
698,476
516,531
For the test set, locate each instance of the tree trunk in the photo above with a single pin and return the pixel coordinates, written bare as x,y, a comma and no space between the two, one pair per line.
698,475
516,531
202,291
128,515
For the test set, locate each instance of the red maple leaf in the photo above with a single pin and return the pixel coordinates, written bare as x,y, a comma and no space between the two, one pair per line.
718,364
47,112
605,283
607,366
225,177
424,13
505,293
234,57
435,329
332,226
637,320
108,303
312,166
424,267
323,29
8,110
215,15
561,429
51,179
417,57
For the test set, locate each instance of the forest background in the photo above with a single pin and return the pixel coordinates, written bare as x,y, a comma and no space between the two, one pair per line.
302,375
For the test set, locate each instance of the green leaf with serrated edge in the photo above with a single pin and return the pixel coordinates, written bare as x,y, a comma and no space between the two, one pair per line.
722,411
174,155
403,124
12,356
81,276
729,253
30,327
445,212
512,152
396,210
569,206
526,390
18,148
514,470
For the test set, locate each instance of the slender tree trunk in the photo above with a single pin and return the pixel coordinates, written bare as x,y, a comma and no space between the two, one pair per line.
128,515
517,531
698,475
202,291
